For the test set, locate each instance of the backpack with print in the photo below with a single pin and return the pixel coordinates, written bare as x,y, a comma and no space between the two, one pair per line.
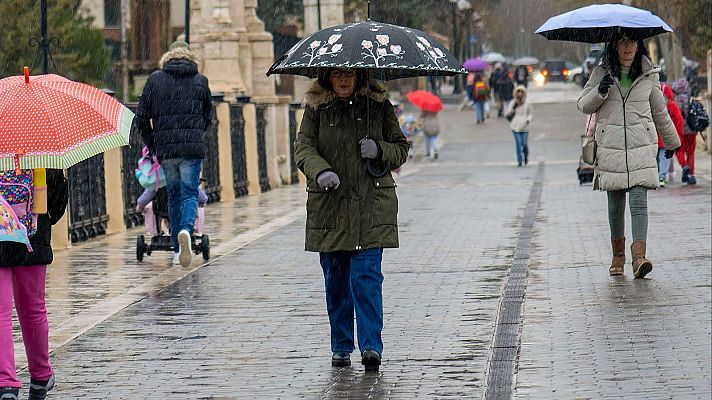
696,118
16,189
481,90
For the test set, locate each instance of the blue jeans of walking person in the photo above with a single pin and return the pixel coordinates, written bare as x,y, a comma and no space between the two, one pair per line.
353,282
479,111
521,142
663,164
182,180
431,146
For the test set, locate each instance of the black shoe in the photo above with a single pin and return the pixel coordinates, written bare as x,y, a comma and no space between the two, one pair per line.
685,174
39,389
340,359
526,160
371,359
691,180
9,393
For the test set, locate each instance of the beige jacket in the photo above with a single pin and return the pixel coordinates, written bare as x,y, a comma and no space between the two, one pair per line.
627,128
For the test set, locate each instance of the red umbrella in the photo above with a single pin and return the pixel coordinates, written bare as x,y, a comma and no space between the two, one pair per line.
426,101
48,121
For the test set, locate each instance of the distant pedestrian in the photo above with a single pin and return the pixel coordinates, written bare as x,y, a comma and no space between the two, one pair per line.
351,214
521,75
431,130
481,93
676,117
502,88
627,141
520,115
22,277
686,154
173,115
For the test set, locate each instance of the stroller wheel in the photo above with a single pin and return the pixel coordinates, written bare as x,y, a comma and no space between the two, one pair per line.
205,247
140,247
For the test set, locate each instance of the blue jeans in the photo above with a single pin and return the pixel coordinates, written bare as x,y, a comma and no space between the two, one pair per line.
522,146
663,164
182,180
431,145
480,111
353,281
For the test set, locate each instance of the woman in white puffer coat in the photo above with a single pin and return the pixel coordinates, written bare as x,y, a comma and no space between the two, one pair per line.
624,93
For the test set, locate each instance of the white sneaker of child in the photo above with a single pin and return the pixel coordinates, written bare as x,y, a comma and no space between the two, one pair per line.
176,260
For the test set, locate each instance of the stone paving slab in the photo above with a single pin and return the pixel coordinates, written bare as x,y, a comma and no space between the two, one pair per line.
588,335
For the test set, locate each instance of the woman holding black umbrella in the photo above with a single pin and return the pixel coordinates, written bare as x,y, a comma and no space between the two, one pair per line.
351,214
624,93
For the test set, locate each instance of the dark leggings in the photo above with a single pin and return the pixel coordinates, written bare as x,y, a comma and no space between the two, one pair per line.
638,212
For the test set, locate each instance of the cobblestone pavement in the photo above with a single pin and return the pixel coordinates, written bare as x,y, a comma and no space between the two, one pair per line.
252,323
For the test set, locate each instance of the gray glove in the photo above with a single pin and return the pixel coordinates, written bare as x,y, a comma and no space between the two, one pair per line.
369,148
328,180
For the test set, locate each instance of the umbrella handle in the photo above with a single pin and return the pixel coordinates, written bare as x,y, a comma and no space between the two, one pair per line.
26,72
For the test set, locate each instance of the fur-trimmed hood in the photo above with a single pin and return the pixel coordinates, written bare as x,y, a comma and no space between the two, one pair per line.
317,95
178,53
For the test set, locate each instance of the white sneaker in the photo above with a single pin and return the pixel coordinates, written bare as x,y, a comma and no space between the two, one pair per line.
184,253
176,261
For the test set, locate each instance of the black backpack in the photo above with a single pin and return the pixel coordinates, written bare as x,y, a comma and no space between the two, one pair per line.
697,118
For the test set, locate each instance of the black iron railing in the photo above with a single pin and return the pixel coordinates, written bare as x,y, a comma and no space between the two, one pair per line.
131,188
211,163
262,147
239,160
294,172
87,199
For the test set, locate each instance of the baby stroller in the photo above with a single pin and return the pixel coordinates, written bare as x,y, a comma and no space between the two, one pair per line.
157,212
584,171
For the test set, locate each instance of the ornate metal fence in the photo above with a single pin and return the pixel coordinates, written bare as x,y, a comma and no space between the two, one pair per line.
87,199
262,147
294,171
131,188
239,160
211,163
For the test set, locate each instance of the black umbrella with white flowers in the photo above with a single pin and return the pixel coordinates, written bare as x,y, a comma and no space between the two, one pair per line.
387,51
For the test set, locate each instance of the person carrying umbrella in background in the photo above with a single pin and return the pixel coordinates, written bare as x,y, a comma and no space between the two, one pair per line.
481,94
172,117
429,105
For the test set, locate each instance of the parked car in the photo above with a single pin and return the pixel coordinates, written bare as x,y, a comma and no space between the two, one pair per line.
592,60
575,74
555,70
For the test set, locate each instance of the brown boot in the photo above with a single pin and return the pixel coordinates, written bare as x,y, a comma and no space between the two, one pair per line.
618,262
641,265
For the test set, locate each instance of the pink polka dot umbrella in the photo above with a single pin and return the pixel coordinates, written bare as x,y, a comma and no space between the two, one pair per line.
48,121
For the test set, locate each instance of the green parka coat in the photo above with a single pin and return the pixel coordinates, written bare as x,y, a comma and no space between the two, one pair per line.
362,212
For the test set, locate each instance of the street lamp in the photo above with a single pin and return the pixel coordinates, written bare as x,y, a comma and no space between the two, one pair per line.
187,21
462,5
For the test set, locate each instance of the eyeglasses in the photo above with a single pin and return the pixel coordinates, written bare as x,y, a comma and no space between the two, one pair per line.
343,74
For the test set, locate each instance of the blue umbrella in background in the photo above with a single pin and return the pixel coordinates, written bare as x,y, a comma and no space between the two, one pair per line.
603,23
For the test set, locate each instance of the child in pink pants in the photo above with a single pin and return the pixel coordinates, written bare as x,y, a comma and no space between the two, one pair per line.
22,278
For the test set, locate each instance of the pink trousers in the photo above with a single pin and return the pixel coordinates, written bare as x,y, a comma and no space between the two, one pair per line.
27,284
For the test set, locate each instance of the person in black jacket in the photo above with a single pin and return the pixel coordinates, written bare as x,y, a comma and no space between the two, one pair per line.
22,276
172,117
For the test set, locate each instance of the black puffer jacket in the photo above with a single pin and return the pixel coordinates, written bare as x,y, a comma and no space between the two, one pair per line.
14,254
174,109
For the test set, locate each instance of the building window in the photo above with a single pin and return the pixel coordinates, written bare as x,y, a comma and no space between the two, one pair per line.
112,13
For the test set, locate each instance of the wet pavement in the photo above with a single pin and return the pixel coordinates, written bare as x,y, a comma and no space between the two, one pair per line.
252,323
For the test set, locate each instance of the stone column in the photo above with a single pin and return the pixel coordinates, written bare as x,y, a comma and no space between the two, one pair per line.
217,40
113,189
332,13
227,193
